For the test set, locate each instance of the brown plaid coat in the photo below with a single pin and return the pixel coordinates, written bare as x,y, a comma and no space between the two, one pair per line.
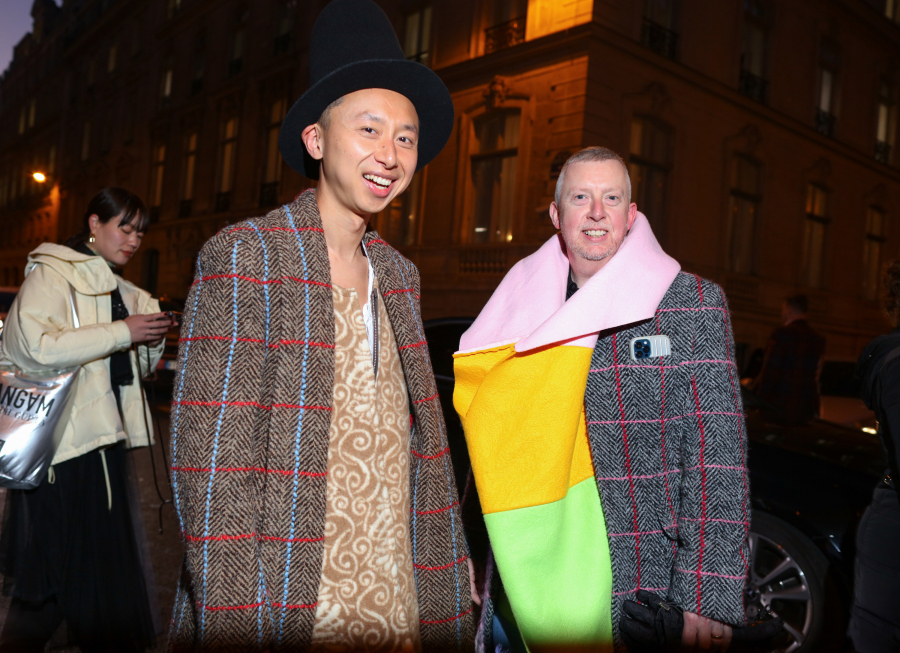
250,420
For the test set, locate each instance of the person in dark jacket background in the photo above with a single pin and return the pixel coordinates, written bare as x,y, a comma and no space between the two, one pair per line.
789,379
875,615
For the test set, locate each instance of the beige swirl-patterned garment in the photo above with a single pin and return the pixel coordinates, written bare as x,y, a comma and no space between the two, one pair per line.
367,595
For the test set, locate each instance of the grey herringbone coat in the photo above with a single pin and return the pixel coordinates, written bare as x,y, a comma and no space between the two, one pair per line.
250,421
669,446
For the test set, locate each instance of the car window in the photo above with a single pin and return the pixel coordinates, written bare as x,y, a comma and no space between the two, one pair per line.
838,379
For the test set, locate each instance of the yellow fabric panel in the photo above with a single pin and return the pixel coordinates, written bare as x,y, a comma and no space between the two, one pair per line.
469,371
524,452
582,465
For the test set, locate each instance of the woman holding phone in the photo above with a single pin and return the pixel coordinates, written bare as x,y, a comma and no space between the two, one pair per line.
68,549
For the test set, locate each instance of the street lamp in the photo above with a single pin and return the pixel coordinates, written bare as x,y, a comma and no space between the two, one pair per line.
39,177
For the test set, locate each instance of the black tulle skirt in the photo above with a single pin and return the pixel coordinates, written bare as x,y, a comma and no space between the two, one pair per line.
62,540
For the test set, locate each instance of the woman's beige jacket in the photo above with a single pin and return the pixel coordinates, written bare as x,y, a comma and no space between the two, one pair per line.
39,334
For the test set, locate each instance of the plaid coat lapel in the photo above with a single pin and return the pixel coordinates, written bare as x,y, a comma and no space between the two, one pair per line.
439,546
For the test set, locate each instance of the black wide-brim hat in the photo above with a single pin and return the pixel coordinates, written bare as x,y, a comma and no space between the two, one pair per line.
354,47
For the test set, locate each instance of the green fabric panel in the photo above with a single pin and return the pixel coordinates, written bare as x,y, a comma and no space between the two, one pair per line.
554,563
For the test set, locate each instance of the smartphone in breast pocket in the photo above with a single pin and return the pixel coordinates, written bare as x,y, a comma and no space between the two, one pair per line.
649,347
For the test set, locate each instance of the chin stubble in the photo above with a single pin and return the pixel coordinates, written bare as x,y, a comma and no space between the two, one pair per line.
587,255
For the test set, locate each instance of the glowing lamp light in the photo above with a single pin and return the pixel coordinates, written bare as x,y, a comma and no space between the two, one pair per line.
39,177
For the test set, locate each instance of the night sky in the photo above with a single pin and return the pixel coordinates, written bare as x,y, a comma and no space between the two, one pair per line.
15,22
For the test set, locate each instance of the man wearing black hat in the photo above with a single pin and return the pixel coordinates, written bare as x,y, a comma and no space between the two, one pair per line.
310,465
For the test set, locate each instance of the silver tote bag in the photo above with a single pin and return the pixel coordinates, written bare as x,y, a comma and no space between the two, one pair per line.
34,411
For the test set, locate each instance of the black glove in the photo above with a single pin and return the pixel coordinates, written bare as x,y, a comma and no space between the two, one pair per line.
651,624
759,636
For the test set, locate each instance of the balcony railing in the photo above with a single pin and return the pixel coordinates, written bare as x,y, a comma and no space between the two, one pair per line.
825,123
185,208
659,39
483,260
882,152
753,86
223,202
268,194
504,35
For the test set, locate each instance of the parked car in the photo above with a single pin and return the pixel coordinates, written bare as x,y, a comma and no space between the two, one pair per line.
840,400
809,485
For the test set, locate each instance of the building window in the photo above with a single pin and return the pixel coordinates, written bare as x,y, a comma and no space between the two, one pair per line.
752,82
22,118
814,227
135,39
172,8
199,63
128,124
268,192
91,72
237,53
51,161
165,87
743,214
411,209
156,182
86,141
284,26
872,248
892,10
824,112
226,171
32,112
494,161
507,24
108,120
111,58
648,166
190,165
887,124
657,29
417,44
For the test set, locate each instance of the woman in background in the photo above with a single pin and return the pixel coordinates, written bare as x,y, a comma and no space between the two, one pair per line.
875,615
68,549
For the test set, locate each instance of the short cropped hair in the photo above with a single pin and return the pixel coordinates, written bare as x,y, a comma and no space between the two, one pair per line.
595,154
799,303
325,118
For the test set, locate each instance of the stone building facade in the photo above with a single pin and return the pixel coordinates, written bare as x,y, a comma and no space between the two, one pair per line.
760,136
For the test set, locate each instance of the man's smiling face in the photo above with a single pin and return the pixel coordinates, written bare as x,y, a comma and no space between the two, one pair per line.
594,214
369,149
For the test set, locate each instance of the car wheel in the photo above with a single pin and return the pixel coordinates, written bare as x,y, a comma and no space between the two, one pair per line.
787,577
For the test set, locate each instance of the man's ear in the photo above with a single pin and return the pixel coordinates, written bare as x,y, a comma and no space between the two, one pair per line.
554,215
632,214
312,140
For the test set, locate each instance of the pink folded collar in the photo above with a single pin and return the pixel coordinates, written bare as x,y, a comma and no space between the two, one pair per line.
529,306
